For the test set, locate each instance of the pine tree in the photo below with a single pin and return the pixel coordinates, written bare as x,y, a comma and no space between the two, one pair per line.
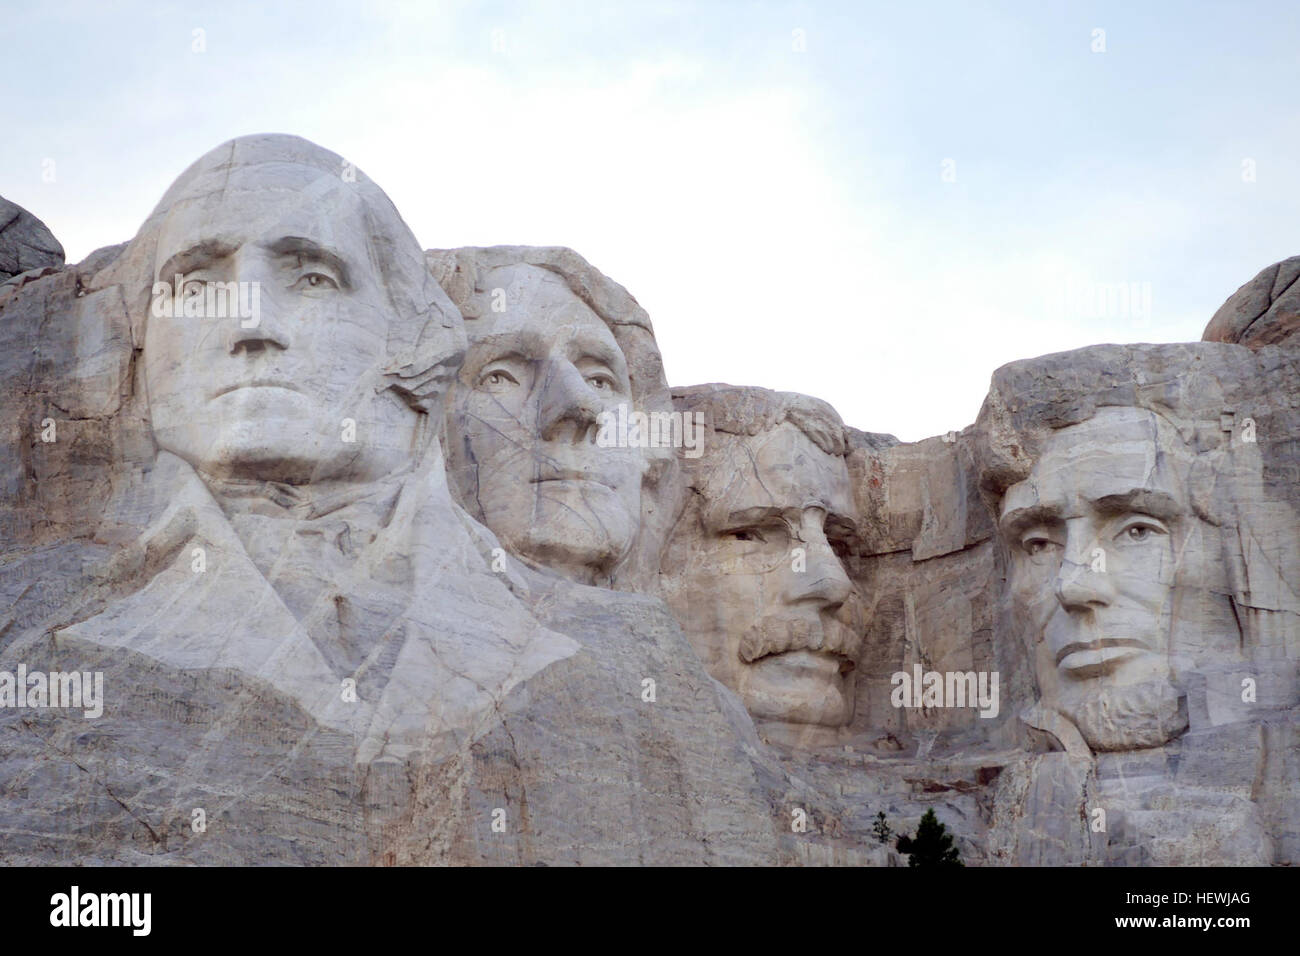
881,829
932,845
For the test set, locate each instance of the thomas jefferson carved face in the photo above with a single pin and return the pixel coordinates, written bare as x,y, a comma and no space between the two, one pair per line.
296,393
521,433
764,596
1102,539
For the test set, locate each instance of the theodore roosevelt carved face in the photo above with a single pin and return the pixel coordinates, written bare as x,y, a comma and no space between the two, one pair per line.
757,564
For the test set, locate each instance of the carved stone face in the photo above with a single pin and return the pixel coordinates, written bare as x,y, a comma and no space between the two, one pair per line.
521,432
1097,534
765,597
274,400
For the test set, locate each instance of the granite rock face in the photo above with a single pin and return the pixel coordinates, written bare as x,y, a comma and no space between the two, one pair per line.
319,548
25,242
1264,311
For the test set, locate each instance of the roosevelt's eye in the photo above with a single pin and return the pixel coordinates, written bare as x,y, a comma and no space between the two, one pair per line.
317,281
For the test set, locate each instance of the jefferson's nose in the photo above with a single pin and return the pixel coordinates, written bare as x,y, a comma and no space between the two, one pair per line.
567,402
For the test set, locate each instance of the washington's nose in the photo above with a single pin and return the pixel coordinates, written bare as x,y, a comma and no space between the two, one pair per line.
568,404
256,324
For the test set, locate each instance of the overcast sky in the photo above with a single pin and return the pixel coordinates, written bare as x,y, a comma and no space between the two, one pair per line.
876,204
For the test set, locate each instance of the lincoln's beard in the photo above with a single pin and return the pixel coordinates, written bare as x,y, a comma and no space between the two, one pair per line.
1131,717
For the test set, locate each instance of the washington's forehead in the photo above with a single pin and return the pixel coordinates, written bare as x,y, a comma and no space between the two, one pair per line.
783,468
234,216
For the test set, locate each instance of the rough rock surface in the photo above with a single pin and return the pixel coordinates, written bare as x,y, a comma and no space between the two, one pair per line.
366,582
25,242
1264,311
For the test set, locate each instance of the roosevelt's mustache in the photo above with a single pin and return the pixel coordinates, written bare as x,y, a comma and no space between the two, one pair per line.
841,634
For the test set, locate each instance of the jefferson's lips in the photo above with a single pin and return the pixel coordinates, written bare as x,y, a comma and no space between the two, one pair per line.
569,474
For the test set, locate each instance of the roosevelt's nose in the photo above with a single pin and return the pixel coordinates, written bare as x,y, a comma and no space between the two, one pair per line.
568,407
258,323
1081,581
823,581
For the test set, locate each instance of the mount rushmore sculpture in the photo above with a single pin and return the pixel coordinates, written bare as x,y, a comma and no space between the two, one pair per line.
321,548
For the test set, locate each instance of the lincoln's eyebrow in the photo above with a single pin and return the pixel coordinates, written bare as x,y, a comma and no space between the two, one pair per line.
310,249
187,260
1018,519
1159,504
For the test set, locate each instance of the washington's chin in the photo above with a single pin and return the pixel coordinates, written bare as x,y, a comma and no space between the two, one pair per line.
798,687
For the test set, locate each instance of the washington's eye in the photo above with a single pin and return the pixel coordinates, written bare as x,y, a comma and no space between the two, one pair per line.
316,280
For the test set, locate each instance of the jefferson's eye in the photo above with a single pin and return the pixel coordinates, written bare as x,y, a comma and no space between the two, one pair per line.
497,377
601,382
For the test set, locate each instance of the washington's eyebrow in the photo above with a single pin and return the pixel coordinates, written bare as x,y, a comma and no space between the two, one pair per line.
309,248
1155,503
1016,521
187,260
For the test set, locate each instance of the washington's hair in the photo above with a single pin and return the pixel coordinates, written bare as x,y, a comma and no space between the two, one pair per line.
426,340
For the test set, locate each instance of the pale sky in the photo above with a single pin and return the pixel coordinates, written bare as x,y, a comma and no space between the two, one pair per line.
873,203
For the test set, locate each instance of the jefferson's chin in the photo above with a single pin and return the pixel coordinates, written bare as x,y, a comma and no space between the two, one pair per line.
1129,717
584,528
798,687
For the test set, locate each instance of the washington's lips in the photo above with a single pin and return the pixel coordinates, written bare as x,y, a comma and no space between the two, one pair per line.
1100,654
256,383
